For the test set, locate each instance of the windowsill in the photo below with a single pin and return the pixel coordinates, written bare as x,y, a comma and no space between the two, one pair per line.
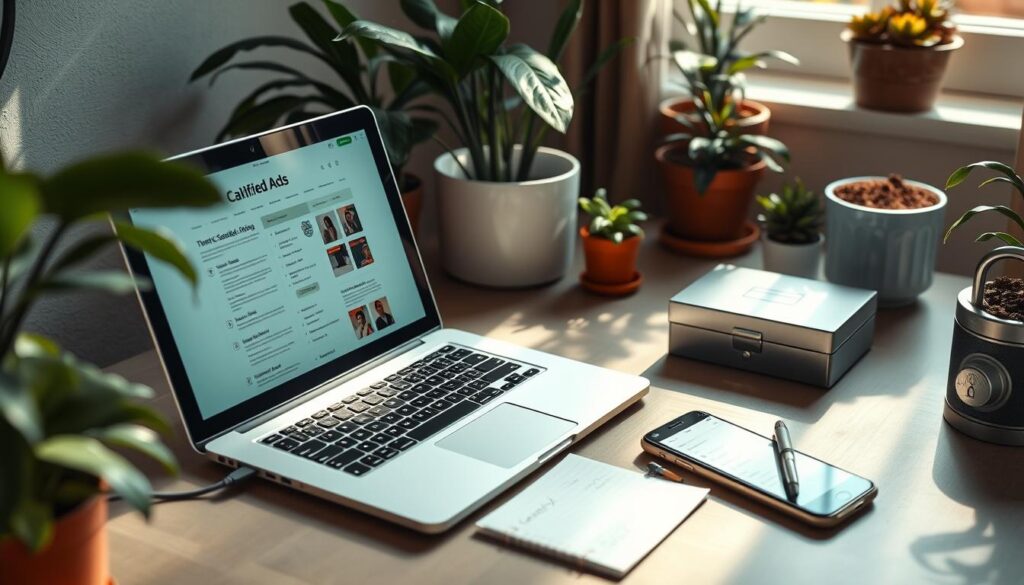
820,102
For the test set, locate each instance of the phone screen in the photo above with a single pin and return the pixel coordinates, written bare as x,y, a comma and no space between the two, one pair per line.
750,458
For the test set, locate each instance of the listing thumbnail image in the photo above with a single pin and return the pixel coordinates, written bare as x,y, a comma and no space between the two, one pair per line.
328,225
340,260
350,220
361,252
382,316
361,322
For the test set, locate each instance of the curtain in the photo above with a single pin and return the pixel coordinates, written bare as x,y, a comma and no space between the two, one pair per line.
613,130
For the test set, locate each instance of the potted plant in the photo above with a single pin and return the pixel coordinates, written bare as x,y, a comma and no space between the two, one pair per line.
507,204
722,64
792,223
61,418
711,171
985,365
360,68
899,55
883,234
611,244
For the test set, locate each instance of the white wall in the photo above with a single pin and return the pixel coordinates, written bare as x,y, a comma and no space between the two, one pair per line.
90,76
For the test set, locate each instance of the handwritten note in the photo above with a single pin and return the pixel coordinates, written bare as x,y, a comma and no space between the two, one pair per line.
593,515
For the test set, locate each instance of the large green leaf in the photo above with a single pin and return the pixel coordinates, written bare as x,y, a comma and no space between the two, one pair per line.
426,15
115,282
32,523
118,182
385,35
478,34
225,54
160,244
18,408
20,208
960,174
1001,209
564,28
537,80
1006,238
342,56
89,456
141,439
344,17
257,66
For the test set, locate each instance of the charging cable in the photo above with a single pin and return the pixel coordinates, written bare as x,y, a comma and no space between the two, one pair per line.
237,476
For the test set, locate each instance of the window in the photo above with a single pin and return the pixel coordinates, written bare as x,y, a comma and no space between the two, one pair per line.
809,29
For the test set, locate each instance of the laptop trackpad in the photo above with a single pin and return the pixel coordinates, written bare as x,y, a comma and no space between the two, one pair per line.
507,435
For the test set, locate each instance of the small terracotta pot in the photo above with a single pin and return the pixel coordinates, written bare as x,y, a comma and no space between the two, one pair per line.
608,262
898,79
754,116
78,555
412,200
717,215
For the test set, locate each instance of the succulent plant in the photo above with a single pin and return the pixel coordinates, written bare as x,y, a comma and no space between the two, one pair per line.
915,23
614,223
792,217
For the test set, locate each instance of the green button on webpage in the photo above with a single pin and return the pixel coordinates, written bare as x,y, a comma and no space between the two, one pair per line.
343,140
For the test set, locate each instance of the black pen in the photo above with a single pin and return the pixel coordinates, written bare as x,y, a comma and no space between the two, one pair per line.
787,460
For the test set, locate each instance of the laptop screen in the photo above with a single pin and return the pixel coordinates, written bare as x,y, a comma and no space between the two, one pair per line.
302,264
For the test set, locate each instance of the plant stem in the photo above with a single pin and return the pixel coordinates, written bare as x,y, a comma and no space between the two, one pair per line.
492,124
3,287
10,330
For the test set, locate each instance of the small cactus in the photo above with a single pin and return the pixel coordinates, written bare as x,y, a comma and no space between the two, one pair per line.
792,217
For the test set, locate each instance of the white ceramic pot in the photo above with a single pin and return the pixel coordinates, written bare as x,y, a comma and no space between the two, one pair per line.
509,235
891,251
793,259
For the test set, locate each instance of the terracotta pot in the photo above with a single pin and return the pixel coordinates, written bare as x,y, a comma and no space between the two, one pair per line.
78,555
412,200
608,262
717,215
754,116
898,79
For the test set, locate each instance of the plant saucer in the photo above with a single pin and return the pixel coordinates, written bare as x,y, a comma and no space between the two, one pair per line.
709,249
612,290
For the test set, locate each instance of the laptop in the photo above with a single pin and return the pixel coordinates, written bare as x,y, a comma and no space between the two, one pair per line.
312,349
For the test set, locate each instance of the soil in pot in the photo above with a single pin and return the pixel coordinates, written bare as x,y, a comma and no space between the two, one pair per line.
890,193
1004,298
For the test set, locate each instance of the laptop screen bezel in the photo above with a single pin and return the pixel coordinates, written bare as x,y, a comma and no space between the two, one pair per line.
246,151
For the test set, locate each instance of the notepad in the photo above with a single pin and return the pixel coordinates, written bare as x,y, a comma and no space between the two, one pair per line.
595,516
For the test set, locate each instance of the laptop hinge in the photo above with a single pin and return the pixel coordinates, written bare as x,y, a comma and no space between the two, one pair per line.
317,391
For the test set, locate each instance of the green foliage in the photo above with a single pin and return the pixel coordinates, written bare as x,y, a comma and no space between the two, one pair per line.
793,216
469,64
358,66
614,223
1006,176
61,419
713,56
912,23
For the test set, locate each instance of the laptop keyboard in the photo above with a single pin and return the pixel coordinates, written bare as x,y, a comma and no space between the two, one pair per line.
363,431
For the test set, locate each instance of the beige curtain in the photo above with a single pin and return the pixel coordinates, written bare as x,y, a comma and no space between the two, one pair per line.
613,129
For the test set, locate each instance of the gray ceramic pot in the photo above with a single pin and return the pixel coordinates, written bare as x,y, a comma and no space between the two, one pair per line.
890,251
509,235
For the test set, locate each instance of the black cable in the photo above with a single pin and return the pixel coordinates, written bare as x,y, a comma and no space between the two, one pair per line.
237,476
6,34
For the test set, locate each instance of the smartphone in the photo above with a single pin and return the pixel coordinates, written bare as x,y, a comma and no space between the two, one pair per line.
746,461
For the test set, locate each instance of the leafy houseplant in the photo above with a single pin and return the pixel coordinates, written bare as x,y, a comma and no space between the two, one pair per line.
714,56
502,100
611,243
792,223
711,171
900,54
61,417
360,68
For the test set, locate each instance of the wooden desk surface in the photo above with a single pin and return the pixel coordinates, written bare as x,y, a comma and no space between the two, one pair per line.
949,508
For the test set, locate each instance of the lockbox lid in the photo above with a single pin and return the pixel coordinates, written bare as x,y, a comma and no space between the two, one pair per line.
775,308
